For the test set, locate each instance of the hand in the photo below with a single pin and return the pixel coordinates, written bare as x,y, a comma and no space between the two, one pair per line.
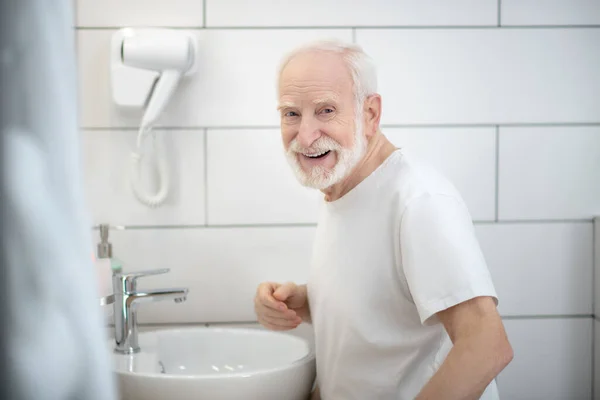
281,307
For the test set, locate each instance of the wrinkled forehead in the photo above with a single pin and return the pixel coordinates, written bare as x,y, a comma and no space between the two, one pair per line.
316,74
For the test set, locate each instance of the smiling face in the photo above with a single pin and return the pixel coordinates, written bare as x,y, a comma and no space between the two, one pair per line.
321,130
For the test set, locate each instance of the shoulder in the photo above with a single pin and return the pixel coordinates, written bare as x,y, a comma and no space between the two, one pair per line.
418,182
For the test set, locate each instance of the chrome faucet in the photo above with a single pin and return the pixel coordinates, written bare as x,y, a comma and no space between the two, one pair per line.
126,298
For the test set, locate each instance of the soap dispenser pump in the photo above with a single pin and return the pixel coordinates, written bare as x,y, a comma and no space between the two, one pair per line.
104,247
104,250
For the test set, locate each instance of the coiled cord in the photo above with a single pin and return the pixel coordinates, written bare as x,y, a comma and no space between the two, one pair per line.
156,199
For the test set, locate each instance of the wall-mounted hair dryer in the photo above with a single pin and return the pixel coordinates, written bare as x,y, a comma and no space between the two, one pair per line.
146,68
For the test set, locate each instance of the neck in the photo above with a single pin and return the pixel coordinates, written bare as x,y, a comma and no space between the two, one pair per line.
379,148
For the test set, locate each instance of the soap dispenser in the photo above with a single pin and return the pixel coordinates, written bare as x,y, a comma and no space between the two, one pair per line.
106,266
105,250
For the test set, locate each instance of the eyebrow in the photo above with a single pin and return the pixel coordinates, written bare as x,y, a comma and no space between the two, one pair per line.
325,100
285,104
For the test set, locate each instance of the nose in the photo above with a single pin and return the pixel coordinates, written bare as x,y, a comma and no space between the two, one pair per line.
308,132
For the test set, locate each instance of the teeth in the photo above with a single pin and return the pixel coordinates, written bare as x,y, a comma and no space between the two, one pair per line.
316,155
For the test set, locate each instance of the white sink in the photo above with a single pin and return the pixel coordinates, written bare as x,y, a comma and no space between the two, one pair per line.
215,364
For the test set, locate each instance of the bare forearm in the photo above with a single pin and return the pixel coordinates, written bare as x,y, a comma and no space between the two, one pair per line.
467,371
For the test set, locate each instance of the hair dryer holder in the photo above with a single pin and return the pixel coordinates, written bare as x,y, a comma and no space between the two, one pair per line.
131,86
146,66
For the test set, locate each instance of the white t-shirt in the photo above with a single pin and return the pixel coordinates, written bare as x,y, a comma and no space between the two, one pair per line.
388,255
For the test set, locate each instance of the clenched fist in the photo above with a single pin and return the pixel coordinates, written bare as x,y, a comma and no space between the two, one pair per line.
281,307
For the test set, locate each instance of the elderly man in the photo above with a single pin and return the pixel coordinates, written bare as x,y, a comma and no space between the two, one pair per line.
399,294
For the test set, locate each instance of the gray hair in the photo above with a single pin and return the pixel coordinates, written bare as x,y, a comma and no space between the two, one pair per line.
360,65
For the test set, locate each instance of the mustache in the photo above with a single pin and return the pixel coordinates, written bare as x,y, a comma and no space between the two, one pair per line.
322,144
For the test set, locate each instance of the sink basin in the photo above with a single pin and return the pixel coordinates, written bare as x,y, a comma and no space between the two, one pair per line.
216,363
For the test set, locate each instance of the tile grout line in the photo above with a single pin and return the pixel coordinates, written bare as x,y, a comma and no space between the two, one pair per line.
204,13
208,226
505,317
314,224
341,27
546,316
497,177
499,13
383,126
535,221
205,177
354,35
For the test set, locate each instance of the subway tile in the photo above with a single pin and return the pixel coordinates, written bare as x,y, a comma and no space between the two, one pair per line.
113,13
486,76
222,268
466,156
552,360
261,13
234,84
551,12
540,269
537,270
106,159
549,173
250,181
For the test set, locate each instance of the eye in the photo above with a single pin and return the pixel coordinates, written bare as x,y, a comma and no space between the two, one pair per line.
291,114
327,110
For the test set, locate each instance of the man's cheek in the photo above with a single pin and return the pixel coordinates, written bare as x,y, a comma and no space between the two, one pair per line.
287,140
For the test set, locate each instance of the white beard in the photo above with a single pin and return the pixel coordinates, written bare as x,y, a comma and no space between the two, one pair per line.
321,178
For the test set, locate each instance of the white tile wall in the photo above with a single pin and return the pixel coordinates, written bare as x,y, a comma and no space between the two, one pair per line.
537,269
222,267
106,157
235,84
540,269
447,77
119,13
466,156
262,13
250,181
552,360
549,172
488,76
550,12
483,80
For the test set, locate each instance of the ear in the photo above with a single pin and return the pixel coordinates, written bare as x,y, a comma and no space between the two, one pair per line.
372,114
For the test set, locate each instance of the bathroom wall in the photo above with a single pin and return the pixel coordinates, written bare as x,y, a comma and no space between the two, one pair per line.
503,97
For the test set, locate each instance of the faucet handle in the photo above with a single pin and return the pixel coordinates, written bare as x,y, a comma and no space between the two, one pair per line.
107,300
131,277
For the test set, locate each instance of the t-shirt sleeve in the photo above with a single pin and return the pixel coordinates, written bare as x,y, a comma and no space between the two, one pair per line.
440,255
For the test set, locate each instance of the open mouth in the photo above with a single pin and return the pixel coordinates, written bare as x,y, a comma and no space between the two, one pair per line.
317,155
